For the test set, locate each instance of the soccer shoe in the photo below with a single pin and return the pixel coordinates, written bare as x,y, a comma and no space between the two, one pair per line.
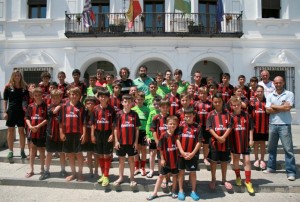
10,155
100,179
105,182
238,181
249,187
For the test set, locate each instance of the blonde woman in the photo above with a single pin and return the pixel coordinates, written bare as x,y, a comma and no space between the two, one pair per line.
15,101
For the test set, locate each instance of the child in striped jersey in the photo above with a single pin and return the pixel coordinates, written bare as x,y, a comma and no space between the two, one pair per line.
188,143
169,157
241,139
36,120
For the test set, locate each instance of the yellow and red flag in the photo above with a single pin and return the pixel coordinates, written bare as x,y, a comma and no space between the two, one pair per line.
133,11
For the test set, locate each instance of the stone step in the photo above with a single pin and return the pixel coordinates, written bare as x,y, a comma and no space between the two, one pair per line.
13,175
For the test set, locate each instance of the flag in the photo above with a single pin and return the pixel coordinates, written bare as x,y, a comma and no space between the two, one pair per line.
133,11
220,13
183,5
88,15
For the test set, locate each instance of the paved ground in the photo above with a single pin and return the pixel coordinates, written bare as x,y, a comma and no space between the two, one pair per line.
12,175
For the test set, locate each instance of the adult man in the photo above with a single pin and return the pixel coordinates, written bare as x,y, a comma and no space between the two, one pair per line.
125,81
143,81
279,104
266,83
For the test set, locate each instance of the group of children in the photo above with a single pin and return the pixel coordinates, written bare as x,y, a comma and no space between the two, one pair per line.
225,120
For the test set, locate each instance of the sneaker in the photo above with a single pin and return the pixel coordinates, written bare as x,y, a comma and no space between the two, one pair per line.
143,172
23,155
291,178
105,182
63,174
181,196
10,155
238,181
45,175
249,187
100,179
195,196
268,171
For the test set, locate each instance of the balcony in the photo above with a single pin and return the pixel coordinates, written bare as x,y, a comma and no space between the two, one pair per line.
155,24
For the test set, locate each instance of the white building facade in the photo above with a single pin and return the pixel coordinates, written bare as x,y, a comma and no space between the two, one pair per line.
255,34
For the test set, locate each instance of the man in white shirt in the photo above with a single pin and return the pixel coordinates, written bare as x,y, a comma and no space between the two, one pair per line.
266,83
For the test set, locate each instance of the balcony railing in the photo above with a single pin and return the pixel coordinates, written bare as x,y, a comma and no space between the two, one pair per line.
156,24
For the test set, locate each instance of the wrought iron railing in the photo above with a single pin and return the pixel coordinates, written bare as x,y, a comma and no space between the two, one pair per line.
155,24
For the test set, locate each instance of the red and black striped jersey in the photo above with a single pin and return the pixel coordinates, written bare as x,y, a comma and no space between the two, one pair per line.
36,114
252,95
47,100
175,103
104,118
189,136
219,123
167,144
241,124
116,102
246,91
81,86
53,124
88,122
180,115
45,89
243,99
227,91
63,87
159,124
260,116
126,124
194,99
72,117
202,110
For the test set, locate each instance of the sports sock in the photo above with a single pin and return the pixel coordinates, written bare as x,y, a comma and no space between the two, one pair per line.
107,163
137,164
143,164
237,173
248,176
101,164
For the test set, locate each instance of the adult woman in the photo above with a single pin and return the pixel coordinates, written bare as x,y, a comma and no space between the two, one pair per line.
124,80
15,101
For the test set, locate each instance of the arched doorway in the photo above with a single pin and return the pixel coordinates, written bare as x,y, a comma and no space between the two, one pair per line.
154,67
207,68
107,66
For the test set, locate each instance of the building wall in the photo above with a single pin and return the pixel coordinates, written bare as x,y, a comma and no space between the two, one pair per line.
41,43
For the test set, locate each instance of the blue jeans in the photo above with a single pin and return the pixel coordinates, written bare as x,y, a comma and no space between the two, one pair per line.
282,132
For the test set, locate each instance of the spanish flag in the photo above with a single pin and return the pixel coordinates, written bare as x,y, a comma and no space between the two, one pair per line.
133,11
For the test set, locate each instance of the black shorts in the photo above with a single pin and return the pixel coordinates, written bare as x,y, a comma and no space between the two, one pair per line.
219,156
102,145
206,135
260,136
188,165
72,143
53,146
88,147
152,145
167,170
126,149
39,142
142,138
15,117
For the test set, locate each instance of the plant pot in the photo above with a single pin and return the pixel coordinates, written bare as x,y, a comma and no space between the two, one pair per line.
195,28
117,28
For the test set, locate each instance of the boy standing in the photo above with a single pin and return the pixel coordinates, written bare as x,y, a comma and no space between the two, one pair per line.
44,84
53,142
104,116
169,157
77,83
126,134
188,143
241,139
36,120
149,98
226,88
185,103
91,89
62,85
174,98
71,119
116,98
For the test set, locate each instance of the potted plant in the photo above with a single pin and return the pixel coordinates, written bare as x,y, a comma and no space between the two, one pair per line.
118,26
194,28
78,18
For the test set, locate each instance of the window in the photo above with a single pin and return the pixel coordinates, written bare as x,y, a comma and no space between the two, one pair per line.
37,8
33,74
270,8
155,15
101,10
288,73
207,14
